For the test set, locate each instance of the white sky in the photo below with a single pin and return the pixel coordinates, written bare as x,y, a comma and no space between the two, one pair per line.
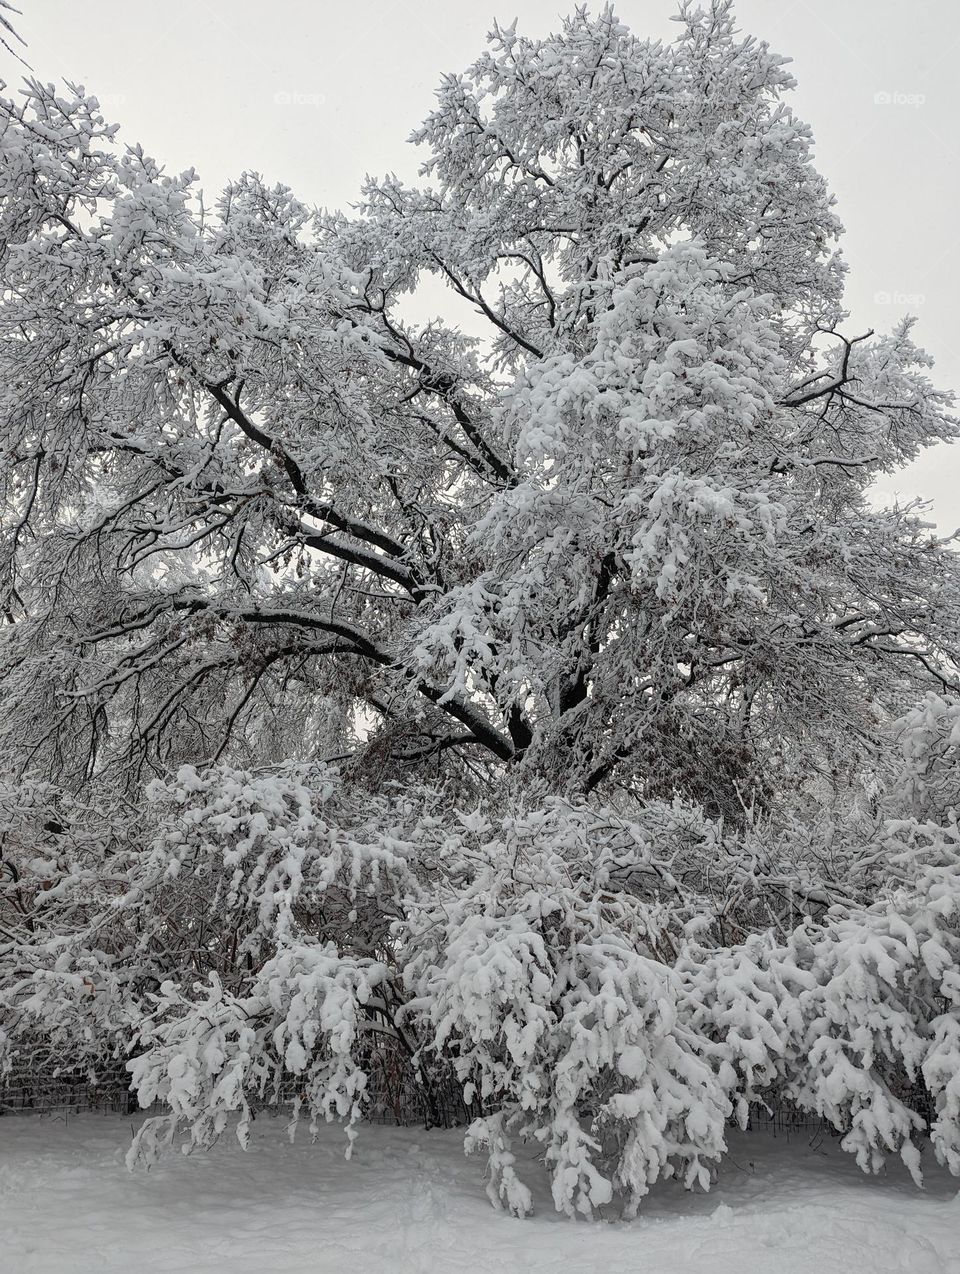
317,94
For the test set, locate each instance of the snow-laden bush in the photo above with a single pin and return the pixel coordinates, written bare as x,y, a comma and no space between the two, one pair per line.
857,1018
222,908
208,1054
64,863
286,906
273,932
547,978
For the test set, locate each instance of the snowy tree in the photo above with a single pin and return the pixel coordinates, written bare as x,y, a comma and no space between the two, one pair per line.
626,540
530,704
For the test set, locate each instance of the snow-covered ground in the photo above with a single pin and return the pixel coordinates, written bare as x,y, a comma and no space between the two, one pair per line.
410,1201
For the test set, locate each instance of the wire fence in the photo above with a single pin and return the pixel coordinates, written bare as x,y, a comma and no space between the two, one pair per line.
782,1119
30,1088
397,1091
397,1095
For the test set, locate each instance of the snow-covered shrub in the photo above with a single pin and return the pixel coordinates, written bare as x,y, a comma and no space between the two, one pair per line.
547,979
854,1017
64,864
253,938
287,906
264,855
226,947
209,1054
734,996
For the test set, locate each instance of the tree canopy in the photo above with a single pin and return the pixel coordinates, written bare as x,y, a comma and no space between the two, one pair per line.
626,538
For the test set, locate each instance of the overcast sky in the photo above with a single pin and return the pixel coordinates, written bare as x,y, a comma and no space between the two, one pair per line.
316,94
